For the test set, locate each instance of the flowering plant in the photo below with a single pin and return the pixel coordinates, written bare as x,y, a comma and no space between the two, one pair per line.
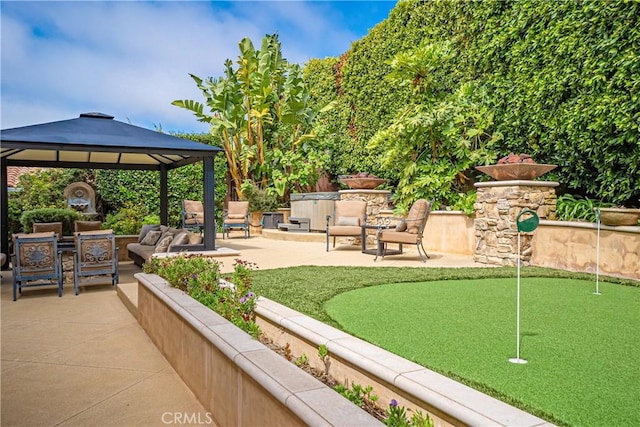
200,277
397,416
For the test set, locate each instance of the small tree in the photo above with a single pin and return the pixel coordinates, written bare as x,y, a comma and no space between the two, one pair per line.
260,113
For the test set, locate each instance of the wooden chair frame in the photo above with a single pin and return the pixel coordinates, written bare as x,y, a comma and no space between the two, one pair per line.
36,258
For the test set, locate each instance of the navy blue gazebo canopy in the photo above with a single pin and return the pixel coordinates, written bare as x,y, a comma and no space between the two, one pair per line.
96,141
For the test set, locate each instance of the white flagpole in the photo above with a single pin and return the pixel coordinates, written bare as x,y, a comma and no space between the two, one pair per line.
597,292
517,358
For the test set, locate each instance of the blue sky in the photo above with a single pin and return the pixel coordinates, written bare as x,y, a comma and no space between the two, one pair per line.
131,59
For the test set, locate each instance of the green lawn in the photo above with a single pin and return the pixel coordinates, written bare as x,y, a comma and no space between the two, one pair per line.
582,349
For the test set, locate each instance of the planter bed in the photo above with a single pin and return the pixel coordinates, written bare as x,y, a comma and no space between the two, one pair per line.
242,382
235,377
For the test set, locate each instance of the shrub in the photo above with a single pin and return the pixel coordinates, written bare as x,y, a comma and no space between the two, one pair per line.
66,216
130,219
259,199
576,208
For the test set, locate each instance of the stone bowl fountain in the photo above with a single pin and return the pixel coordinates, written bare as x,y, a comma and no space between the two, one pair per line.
516,171
362,181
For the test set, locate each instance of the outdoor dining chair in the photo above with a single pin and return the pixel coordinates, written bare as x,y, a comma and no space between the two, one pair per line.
95,258
87,225
236,216
44,227
408,231
350,216
36,261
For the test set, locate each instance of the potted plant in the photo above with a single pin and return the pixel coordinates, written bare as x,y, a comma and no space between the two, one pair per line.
619,216
260,201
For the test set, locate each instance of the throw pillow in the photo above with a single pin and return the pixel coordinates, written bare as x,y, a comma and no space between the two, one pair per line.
145,229
151,238
353,221
181,238
164,243
402,225
195,239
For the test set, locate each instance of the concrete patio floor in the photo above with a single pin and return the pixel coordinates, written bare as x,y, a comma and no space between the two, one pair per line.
84,360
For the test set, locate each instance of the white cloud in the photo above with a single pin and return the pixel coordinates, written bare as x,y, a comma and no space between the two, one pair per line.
132,59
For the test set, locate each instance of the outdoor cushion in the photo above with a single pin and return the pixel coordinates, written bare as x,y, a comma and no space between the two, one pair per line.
344,230
152,237
42,234
164,242
238,208
236,216
416,215
348,221
195,239
145,229
351,208
169,230
397,237
181,238
402,225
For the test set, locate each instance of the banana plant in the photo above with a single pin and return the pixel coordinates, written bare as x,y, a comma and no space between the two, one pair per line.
259,111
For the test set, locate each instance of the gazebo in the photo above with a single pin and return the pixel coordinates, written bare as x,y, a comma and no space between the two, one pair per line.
96,141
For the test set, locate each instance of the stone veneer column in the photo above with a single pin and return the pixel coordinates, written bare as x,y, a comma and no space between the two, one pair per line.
497,205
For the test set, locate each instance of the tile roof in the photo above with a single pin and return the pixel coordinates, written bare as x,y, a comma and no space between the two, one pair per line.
14,172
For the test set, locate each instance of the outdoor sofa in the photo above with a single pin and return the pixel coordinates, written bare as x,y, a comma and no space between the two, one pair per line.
160,238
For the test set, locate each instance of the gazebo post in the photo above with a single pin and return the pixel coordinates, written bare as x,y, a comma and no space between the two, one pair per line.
209,204
164,195
4,207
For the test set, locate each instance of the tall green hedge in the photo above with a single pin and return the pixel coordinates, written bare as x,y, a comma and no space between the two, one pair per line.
562,79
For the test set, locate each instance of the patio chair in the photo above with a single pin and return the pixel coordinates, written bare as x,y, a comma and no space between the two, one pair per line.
36,261
44,227
193,215
95,258
408,231
236,217
350,216
87,225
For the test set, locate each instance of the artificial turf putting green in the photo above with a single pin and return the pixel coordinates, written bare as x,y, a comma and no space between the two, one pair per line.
583,350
